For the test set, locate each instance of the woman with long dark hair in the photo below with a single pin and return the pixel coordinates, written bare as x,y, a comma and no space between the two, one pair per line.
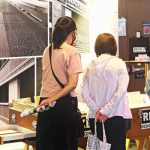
105,92
57,127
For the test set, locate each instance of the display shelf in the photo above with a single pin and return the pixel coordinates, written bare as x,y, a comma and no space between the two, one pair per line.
137,61
19,133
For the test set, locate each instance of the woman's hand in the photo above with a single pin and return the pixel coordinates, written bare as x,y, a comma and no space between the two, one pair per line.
45,102
97,115
100,117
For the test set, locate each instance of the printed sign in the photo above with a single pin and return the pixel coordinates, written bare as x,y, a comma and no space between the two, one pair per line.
87,129
139,49
139,75
145,118
122,27
146,25
63,1
76,5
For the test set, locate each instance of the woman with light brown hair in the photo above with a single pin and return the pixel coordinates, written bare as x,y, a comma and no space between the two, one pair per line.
104,90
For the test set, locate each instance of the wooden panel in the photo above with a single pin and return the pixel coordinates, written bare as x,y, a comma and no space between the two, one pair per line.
135,11
82,142
1,140
27,122
136,84
18,118
24,122
136,130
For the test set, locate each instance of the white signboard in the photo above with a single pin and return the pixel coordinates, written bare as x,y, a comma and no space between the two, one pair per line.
122,27
144,114
139,49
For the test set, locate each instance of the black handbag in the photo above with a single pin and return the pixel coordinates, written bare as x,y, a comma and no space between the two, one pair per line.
127,124
80,124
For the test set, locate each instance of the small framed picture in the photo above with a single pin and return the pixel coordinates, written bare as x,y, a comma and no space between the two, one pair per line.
138,34
146,29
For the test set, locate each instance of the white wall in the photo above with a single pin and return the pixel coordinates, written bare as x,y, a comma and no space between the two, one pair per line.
14,90
103,19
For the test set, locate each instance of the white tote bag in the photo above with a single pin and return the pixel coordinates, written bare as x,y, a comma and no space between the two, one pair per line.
95,144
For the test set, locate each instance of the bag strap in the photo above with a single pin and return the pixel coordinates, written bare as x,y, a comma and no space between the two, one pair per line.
50,55
104,133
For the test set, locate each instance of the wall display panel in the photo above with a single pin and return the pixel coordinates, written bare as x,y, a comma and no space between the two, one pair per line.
23,37
24,29
17,80
79,11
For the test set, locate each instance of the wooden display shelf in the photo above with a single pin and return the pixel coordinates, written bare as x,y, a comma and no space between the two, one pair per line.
24,122
141,136
136,131
137,61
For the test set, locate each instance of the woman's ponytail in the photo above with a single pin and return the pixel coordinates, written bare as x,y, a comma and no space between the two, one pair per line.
62,28
59,36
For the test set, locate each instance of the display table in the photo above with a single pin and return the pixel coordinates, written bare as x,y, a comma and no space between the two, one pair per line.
29,123
26,122
141,136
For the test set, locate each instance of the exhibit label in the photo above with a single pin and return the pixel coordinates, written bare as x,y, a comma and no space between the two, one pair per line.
145,118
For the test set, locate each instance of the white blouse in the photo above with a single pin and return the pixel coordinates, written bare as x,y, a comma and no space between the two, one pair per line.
104,87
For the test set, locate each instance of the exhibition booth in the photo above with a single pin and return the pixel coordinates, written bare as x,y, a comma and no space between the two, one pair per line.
20,84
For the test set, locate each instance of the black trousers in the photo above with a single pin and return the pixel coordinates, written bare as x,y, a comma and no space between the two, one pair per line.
57,127
115,131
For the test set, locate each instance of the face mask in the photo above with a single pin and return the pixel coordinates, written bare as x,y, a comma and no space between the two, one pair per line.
74,38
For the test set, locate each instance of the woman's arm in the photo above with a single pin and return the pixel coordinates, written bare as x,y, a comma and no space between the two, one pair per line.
73,80
120,93
88,99
86,95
